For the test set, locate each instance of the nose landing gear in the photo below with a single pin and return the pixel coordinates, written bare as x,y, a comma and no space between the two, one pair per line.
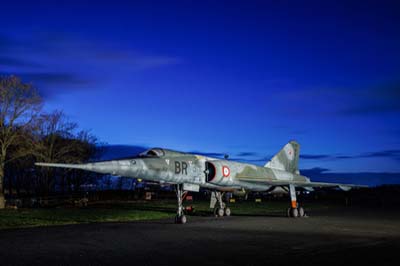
180,217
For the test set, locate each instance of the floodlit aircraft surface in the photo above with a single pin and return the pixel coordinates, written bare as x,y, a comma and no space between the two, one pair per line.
189,172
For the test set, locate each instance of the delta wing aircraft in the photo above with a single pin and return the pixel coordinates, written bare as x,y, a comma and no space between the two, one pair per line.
189,172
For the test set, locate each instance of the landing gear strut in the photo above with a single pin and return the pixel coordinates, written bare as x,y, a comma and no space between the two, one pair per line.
294,211
180,217
219,206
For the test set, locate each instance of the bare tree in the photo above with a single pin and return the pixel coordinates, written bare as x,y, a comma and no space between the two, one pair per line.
57,140
18,171
52,131
19,105
87,150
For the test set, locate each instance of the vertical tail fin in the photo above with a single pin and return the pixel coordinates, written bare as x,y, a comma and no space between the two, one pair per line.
287,158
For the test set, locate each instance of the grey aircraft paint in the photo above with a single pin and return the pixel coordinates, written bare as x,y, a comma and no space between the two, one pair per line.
190,172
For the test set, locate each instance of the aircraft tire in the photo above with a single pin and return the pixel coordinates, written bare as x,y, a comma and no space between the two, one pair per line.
301,212
220,212
227,211
183,219
294,212
180,219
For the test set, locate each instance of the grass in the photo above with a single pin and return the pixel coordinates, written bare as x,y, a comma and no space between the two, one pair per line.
62,216
124,212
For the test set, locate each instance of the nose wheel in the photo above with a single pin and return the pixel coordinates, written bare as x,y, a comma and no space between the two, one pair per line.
180,217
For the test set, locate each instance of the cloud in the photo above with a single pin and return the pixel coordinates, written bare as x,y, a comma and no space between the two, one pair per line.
146,62
253,157
54,78
257,161
343,157
50,84
315,156
395,154
247,154
327,157
209,154
391,154
361,178
16,62
314,171
68,61
371,109
343,101
380,99
130,59
111,152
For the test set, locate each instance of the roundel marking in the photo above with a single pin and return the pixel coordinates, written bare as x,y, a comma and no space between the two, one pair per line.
226,171
289,152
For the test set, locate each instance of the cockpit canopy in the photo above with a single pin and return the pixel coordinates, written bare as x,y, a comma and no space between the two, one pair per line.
159,152
154,152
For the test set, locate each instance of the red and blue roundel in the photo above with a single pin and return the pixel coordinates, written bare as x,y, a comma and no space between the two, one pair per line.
226,171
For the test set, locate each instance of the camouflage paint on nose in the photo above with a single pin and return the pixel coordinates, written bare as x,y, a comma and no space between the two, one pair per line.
128,168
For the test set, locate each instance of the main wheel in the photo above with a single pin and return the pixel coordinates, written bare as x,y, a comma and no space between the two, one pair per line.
294,212
220,212
301,212
227,211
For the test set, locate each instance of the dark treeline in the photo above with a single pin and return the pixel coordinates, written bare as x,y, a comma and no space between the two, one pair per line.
29,135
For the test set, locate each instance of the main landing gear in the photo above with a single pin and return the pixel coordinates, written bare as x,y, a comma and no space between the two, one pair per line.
180,217
219,206
294,211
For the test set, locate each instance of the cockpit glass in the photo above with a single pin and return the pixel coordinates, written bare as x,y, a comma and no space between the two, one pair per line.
152,153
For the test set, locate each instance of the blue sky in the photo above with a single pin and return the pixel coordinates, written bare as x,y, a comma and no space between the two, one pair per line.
236,77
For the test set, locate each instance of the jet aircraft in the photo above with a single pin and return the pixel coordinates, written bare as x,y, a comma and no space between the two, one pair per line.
189,172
